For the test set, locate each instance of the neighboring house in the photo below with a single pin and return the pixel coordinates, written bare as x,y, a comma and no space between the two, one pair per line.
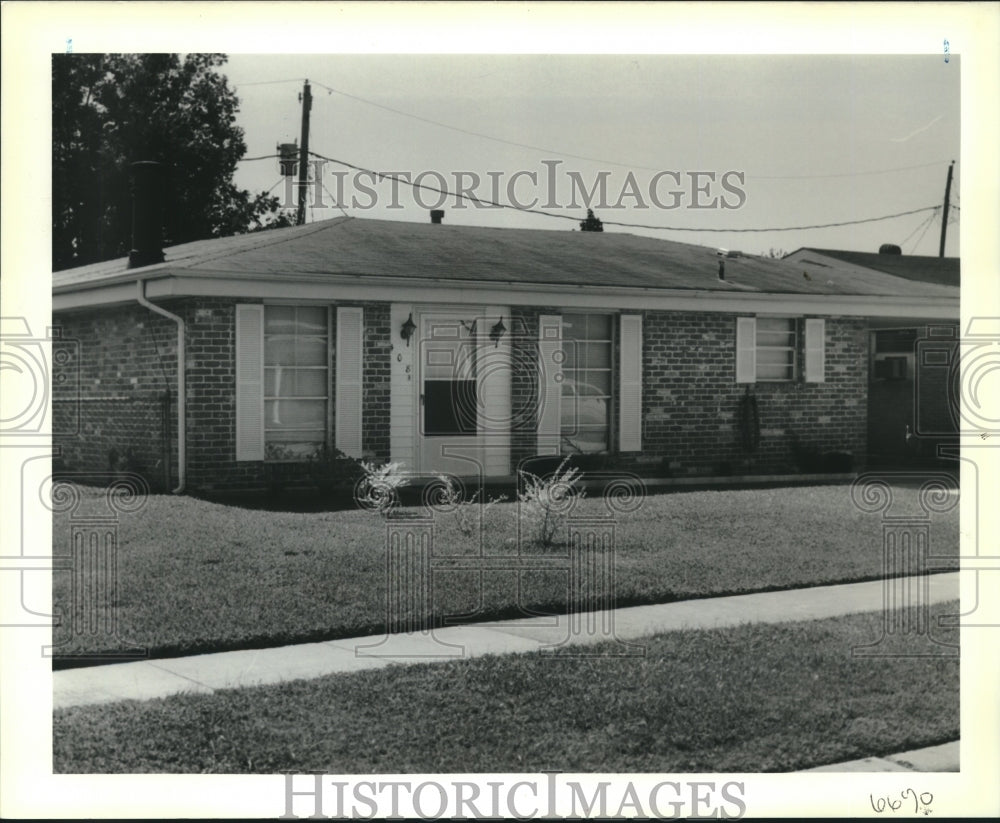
468,350
912,392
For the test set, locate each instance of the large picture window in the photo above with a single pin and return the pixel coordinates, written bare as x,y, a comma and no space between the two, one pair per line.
296,381
587,380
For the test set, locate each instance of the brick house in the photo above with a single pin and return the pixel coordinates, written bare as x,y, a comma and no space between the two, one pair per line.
467,350
912,361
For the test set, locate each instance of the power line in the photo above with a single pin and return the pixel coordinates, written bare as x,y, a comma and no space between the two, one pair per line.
384,176
929,224
334,199
921,225
269,82
845,174
461,130
544,150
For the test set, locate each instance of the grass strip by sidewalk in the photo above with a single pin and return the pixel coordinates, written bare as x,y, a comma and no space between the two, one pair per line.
195,576
755,698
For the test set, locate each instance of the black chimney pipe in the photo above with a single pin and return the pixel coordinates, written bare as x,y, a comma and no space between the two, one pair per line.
147,211
437,215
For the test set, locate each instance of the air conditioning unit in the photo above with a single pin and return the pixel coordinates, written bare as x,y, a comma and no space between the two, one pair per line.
890,368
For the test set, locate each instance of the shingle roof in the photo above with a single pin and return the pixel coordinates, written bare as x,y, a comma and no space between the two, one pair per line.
351,246
944,271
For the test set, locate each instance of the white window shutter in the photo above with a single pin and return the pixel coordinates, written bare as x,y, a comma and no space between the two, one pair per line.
350,356
249,382
494,370
630,384
746,349
815,350
549,383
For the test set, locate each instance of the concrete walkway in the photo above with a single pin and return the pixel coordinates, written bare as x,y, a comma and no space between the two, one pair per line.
146,679
943,758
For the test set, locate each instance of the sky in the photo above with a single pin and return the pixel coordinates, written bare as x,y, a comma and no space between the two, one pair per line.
681,142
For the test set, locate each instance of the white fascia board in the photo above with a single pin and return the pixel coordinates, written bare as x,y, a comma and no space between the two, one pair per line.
86,298
400,289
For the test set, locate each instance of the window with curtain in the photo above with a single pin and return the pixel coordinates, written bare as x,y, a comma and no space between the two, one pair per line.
587,380
296,381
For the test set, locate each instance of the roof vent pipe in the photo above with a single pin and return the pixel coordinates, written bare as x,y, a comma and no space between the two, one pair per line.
147,209
889,248
437,215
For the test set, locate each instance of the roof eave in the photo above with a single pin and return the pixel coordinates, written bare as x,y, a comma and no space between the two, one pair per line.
324,287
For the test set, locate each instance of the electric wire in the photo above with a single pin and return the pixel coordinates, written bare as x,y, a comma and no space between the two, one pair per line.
270,82
334,199
929,224
485,136
918,228
495,204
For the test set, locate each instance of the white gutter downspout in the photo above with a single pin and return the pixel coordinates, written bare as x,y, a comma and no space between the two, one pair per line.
181,397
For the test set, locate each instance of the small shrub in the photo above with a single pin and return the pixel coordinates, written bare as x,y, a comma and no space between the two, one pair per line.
378,489
332,471
545,503
471,515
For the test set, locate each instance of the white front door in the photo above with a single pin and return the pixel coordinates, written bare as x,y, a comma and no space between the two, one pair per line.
449,431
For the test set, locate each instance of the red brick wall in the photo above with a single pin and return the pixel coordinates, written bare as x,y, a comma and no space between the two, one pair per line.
211,398
691,401
127,364
375,377
126,358
123,366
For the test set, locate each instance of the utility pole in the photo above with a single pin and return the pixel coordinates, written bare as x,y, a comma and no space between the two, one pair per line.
304,154
944,214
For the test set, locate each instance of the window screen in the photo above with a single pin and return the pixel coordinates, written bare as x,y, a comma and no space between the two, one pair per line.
587,379
776,348
296,380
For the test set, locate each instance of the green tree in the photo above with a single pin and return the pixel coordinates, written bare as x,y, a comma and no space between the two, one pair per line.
592,223
109,110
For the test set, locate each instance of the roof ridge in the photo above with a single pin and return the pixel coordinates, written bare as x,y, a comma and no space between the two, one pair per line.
873,254
270,240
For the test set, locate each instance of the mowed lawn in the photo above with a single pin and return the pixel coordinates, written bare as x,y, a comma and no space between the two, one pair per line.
749,699
196,576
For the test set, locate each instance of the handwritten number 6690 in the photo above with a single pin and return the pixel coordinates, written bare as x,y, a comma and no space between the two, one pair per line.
921,802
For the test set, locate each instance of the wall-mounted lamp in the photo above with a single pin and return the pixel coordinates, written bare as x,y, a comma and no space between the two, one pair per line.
498,331
408,328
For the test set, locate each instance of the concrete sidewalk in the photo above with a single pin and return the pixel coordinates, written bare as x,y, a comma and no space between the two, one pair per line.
943,758
146,679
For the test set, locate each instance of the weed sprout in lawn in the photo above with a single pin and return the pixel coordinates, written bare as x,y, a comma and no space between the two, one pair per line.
378,490
472,514
545,503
